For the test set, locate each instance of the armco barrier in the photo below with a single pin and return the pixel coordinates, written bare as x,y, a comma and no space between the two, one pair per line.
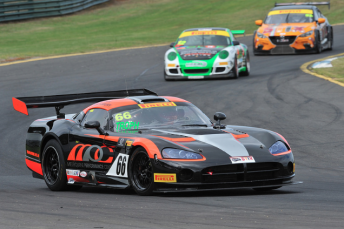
11,10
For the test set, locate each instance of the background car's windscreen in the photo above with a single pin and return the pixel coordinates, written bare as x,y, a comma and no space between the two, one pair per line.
203,40
153,115
289,16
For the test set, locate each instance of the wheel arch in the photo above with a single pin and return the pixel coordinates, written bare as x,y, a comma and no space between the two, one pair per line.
46,138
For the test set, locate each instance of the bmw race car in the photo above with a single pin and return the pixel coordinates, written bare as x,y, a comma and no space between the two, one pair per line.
293,28
207,53
135,138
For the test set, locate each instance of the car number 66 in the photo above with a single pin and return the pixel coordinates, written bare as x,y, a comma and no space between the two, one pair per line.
120,166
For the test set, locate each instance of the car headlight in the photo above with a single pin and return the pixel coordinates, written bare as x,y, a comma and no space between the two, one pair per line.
306,34
172,56
223,54
278,147
179,154
260,35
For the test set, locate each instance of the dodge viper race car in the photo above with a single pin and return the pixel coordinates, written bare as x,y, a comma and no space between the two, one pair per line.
293,28
207,53
135,138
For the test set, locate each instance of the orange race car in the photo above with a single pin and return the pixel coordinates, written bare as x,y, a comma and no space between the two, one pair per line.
293,28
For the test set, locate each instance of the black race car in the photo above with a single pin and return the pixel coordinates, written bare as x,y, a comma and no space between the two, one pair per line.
135,138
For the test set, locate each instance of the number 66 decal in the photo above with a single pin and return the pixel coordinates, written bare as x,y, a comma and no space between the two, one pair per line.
120,167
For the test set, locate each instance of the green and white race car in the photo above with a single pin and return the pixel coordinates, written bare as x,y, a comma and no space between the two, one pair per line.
202,53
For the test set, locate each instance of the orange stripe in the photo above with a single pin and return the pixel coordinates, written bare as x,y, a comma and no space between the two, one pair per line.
188,139
278,154
174,99
34,166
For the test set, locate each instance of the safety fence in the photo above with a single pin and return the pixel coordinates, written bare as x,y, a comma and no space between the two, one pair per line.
11,10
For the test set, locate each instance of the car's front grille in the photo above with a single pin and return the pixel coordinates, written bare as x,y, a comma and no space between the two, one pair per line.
282,49
287,40
196,71
239,172
220,69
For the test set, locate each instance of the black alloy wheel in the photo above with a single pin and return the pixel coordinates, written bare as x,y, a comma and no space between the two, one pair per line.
141,175
53,166
318,47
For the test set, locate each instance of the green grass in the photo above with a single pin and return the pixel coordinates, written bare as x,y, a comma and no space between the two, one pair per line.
133,23
336,72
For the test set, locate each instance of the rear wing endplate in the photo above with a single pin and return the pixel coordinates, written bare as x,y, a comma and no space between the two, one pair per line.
21,104
303,3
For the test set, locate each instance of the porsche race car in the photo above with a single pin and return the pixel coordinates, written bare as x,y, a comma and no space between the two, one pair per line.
207,53
293,28
137,139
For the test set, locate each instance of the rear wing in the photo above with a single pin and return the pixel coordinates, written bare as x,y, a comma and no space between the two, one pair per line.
238,32
21,104
303,3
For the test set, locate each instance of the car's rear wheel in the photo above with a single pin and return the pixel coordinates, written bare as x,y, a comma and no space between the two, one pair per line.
266,189
141,175
53,166
247,65
235,68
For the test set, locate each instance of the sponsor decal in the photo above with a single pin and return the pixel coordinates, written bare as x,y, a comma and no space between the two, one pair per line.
196,64
127,125
71,181
32,153
296,11
82,165
129,143
165,177
121,116
210,32
220,47
121,142
181,42
150,105
120,167
268,30
73,172
83,174
299,29
210,46
244,159
195,77
181,48
91,153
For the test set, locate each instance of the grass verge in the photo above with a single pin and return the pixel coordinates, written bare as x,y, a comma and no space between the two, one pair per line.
132,23
336,72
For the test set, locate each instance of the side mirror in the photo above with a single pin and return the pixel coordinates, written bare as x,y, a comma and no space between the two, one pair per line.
95,125
235,43
321,20
218,116
172,44
259,22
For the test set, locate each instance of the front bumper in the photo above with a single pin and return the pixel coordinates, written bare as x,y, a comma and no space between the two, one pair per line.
181,76
209,176
290,45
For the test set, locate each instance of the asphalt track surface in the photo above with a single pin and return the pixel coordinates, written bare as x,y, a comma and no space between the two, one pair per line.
307,110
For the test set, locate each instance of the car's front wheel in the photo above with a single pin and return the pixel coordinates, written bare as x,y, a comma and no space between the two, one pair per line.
141,175
235,68
53,166
318,46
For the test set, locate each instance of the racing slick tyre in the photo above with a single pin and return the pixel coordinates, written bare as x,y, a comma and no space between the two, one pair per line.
53,166
318,46
247,65
235,68
141,172
266,189
330,39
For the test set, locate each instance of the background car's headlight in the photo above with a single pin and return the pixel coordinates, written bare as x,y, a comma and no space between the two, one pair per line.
278,147
260,35
179,154
172,56
306,34
223,54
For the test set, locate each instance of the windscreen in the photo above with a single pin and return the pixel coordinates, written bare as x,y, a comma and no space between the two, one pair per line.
155,115
203,40
289,16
